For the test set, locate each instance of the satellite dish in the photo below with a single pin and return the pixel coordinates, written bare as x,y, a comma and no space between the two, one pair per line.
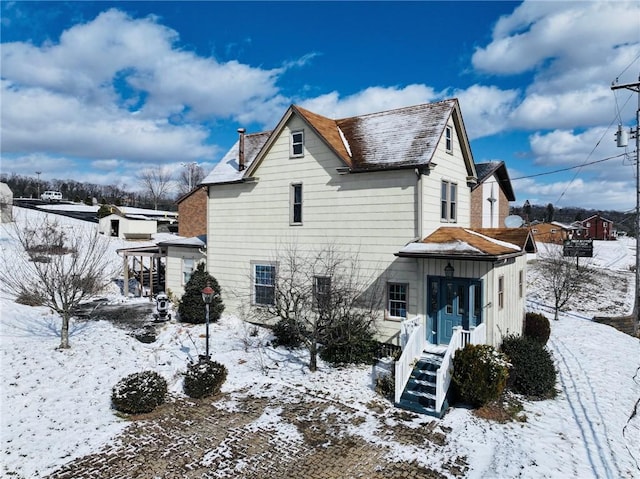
513,221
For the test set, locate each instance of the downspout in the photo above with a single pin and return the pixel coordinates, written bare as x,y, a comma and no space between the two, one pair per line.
419,204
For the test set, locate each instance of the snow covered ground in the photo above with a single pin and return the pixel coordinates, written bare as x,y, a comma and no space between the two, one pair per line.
56,404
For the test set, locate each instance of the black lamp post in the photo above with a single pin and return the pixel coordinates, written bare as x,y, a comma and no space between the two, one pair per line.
207,296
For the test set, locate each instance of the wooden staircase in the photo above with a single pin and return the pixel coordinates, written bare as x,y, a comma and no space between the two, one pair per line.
419,395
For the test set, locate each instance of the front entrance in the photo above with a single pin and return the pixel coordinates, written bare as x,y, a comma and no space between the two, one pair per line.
452,302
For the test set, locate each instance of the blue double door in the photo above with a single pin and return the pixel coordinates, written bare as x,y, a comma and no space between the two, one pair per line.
452,302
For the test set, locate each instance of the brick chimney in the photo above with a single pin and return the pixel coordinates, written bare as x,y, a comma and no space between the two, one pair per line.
241,165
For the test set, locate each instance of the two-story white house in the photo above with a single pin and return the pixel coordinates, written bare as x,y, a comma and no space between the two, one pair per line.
394,186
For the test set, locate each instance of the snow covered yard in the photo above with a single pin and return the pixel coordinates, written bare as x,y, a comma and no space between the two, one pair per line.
56,404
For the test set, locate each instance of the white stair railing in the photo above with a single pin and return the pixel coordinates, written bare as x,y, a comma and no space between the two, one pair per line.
413,348
443,376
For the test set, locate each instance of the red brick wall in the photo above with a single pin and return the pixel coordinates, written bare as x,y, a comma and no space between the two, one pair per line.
477,204
192,214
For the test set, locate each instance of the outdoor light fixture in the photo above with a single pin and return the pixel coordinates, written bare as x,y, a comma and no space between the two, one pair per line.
207,296
448,271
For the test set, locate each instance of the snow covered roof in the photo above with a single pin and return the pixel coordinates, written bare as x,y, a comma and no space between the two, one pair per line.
479,244
226,171
401,138
194,241
497,168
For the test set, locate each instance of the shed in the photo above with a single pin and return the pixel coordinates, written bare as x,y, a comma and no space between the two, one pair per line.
127,227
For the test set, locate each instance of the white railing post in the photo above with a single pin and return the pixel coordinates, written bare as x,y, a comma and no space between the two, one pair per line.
443,376
413,348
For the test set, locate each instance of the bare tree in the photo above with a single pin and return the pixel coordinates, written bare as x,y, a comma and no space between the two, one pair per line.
156,182
563,277
322,295
55,268
190,177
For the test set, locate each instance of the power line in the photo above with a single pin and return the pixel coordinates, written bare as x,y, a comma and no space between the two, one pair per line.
569,168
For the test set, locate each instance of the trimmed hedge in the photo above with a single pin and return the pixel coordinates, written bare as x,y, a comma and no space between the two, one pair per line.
533,373
139,392
537,327
204,378
479,374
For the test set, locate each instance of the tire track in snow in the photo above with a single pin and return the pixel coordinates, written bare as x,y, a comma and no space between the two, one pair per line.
586,413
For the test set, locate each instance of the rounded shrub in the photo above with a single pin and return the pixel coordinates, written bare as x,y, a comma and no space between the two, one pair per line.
537,327
139,392
533,373
192,308
204,378
479,374
287,333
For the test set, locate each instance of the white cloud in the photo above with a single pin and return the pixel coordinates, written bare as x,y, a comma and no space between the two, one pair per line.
486,109
370,100
121,88
563,147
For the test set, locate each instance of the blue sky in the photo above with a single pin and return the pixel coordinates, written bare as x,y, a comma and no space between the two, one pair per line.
96,91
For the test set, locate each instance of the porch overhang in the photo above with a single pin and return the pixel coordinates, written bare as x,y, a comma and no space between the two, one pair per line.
455,243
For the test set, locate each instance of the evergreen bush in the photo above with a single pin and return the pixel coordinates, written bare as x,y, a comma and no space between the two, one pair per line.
533,373
479,374
204,378
192,308
537,327
139,392
288,334
104,210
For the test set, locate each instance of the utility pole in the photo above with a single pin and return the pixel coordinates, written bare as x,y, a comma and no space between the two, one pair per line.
38,173
622,140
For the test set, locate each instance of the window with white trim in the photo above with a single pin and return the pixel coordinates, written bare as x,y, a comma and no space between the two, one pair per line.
448,139
297,143
264,277
188,267
448,201
295,204
397,296
501,292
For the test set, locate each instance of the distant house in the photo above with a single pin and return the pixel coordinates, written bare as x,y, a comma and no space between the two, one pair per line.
553,232
397,187
192,213
599,228
491,195
6,203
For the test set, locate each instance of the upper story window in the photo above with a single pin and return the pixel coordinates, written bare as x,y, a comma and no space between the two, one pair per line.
295,204
397,300
264,276
448,140
448,201
297,143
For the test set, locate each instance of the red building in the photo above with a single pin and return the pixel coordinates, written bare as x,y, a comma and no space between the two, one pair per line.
598,228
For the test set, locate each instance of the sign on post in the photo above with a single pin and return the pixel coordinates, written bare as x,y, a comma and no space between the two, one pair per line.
579,248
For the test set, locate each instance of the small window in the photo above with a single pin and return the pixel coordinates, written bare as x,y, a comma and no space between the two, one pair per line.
397,300
295,202
297,143
188,267
448,140
448,201
322,292
521,283
264,284
501,292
